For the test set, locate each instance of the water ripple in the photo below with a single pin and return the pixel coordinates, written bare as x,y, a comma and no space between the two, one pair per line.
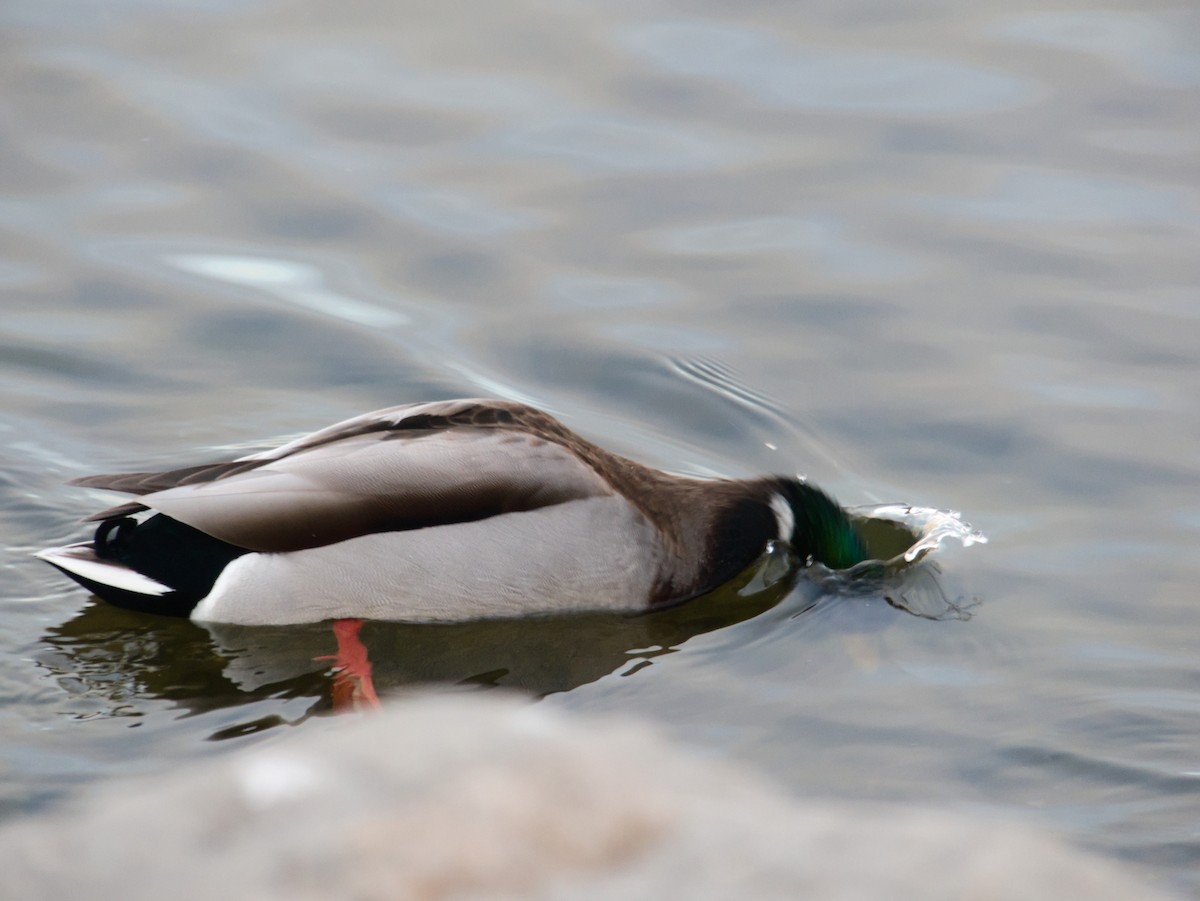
1150,46
1075,198
783,75
831,244
620,143
594,292
454,212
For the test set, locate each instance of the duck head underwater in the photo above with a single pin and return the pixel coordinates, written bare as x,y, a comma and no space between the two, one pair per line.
451,510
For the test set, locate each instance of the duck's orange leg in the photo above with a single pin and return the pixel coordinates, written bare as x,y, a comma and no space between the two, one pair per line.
352,685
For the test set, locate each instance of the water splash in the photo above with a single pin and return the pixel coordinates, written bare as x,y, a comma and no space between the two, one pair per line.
899,537
921,529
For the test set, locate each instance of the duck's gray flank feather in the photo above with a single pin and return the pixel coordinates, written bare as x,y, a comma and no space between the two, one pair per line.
508,565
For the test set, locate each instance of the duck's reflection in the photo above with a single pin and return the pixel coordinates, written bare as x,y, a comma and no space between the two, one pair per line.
119,658
123,657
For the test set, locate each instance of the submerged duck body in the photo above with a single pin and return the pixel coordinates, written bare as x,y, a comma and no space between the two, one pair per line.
438,511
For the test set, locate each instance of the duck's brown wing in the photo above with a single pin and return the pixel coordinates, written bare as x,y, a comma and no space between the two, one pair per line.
150,482
402,468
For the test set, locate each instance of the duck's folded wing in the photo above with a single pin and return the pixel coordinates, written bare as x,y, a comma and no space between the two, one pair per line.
406,419
374,482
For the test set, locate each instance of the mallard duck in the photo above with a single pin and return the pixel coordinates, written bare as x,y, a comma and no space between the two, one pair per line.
450,510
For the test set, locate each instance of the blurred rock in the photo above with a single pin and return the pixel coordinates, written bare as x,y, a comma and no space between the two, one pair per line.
466,796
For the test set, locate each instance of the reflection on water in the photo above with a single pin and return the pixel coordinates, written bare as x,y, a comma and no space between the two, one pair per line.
117,657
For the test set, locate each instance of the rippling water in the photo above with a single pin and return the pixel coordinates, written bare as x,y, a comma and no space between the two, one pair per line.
926,254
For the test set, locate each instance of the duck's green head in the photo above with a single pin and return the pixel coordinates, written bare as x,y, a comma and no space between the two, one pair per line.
821,529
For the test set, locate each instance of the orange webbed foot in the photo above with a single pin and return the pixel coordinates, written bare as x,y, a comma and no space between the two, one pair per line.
353,688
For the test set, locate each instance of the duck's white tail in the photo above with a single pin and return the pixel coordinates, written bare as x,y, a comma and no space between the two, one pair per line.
79,561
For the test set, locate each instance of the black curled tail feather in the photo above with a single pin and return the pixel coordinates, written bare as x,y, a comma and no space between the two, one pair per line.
111,535
168,551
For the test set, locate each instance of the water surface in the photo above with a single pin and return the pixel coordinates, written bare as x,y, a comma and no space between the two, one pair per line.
924,254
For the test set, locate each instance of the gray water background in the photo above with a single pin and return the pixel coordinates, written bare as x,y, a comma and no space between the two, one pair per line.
941,253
